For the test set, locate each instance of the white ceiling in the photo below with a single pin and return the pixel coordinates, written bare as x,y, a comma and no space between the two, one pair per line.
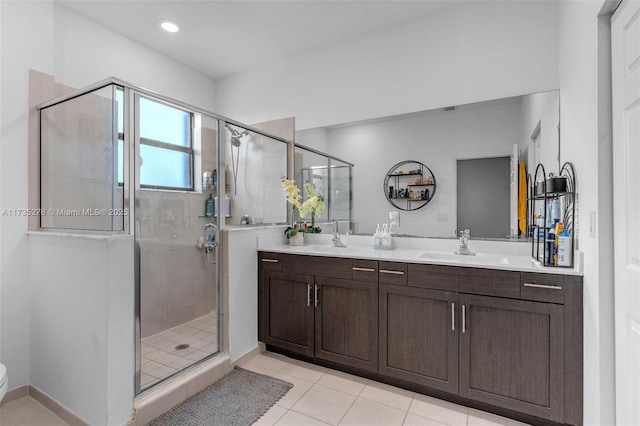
220,38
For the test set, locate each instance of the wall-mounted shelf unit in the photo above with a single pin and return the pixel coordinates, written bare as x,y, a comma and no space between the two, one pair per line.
409,185
541,193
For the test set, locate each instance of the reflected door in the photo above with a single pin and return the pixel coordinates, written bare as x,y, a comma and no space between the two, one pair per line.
484,196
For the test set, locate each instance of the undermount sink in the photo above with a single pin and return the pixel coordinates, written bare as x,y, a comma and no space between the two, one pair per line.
479,258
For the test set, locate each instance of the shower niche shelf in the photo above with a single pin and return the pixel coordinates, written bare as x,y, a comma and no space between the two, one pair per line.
409,185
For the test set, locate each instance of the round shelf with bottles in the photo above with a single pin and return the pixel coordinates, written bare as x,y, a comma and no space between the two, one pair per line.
409,185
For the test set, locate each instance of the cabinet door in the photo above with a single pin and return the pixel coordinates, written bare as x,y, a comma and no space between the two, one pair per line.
286,311
419,336
511,354
346,320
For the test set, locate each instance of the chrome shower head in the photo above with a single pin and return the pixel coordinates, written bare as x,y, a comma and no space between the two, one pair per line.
236,136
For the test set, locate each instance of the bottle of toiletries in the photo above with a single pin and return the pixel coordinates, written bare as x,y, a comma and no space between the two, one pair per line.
550,247
209,206
389,240
540,216
558,230
384,236
556,211
565,249
227,206
377,237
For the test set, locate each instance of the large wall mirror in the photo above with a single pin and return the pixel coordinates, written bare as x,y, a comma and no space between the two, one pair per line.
524,126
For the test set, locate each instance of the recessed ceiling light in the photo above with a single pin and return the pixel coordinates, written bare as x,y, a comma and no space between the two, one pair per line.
170,27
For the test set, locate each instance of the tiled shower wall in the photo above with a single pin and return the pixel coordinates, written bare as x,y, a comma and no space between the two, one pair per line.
77,168
262,163
178,281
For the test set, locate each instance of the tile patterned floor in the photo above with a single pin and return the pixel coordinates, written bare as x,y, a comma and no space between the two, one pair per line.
160,358
322,397
319,397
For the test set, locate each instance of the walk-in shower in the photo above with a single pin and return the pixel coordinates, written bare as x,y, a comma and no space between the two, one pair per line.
115,158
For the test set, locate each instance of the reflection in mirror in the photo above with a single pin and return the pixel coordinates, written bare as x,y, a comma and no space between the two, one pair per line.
440,138
330,177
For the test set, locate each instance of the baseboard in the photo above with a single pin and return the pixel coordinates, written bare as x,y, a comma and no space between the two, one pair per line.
16,393
249,355
44,399
55,406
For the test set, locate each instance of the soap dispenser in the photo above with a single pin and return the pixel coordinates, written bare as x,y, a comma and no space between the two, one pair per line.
388,239
377,237
385,237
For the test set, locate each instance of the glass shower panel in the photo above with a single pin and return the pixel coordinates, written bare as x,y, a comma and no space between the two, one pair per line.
313,168
178,263
254,166
340,196
79,152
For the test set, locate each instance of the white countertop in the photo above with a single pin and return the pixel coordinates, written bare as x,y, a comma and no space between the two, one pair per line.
504,255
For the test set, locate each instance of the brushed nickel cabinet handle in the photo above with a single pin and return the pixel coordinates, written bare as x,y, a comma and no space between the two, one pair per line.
308,294
550,287
464,319
355,268
315,302
453,317
270,260
387,271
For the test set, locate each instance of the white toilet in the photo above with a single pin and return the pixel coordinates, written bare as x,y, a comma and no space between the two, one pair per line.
4,382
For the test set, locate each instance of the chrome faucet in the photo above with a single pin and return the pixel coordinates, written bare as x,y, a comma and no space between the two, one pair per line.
336,236
464,244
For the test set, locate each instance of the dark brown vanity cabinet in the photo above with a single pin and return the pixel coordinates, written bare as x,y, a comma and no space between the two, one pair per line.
418,336
346,322
330,315
508,341
511,354
504,338
286,317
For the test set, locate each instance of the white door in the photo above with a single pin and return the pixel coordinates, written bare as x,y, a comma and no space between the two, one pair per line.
625,39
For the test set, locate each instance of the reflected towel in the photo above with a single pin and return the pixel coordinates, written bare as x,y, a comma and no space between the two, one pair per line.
522,198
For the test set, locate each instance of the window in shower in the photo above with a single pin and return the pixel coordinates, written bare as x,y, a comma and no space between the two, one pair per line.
166,147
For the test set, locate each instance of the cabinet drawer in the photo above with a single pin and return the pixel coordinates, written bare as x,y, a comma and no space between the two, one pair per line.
332,267
365,270
392,273
433,276
489,282
542,287
270,261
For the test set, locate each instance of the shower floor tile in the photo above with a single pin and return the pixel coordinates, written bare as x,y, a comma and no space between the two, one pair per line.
160,358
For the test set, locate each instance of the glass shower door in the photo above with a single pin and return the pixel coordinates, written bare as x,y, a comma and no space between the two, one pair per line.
176,237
